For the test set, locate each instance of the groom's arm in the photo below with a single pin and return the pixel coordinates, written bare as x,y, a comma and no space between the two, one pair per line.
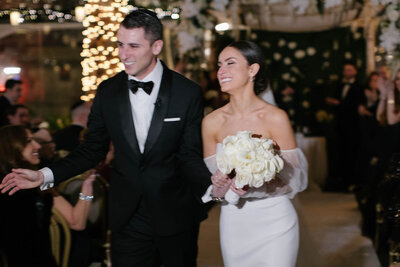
93,149
190,152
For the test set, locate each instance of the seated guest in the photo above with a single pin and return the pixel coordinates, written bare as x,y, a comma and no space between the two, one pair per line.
18,115
70,137
24,226
47,150
10,97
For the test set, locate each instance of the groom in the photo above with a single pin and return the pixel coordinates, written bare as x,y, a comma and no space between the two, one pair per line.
152,115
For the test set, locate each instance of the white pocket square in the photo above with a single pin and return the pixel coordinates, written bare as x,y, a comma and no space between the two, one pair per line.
172,119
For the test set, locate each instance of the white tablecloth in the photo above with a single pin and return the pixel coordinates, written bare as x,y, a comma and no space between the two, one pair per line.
314,148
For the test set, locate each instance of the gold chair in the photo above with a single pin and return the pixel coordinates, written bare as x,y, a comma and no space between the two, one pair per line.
60,238
97,221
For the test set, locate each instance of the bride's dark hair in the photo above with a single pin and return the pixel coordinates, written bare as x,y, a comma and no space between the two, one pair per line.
253,54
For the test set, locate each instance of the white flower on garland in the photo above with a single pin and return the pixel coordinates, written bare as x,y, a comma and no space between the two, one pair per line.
332,3
390,38
292,45
220,5
311,51
300,54
348,55
305,104
203,20
277,56
281,42
190,9
300,6
287,61
187,42
286,76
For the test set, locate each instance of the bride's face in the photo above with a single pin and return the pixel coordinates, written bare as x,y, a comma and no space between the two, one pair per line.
233,70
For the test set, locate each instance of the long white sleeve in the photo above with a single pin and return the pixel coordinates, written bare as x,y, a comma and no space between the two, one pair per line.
289,181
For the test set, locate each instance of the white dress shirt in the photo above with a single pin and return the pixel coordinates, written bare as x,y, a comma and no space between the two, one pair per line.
142,106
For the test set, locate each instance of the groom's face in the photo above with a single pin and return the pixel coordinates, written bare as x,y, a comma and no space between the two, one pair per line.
136,51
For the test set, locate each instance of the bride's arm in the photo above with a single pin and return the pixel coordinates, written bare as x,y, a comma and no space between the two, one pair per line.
220,182
293,178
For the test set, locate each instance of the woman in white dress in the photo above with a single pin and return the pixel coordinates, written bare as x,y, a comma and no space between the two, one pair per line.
262,228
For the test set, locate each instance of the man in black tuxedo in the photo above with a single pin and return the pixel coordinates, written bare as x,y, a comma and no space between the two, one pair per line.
152,115
9,98
345,102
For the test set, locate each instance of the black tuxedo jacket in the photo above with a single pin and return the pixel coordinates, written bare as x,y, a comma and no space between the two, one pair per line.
171,170
348,108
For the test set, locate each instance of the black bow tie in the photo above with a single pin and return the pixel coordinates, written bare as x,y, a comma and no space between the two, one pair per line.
135,85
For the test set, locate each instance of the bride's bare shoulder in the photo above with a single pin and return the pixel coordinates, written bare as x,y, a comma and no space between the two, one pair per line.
218,116
273,114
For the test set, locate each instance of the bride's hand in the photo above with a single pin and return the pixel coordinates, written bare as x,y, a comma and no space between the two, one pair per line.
221,184
239,191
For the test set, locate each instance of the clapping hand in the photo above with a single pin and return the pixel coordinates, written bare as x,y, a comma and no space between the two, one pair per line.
21,179
221,183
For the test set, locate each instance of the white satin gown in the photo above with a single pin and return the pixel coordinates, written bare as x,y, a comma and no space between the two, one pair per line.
261,229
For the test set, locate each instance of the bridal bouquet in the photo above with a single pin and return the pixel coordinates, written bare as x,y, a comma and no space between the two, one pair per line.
251,159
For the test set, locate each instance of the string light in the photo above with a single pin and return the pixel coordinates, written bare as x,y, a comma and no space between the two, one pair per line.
100,55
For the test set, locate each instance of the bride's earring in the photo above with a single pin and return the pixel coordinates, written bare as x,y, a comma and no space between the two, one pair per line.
252,79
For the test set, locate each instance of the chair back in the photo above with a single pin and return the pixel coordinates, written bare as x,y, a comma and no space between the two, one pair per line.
60,238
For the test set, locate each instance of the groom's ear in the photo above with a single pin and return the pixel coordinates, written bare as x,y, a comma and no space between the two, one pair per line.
253,69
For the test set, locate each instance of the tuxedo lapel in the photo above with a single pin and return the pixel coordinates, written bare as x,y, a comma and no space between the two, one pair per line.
160,110
125,111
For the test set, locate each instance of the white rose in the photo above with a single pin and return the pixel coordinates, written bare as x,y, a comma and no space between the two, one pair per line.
257,166
224,163
281,42
244,144
243,179
258,180
278,163
268,144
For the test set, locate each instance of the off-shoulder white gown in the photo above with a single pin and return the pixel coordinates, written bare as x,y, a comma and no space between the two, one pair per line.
261,228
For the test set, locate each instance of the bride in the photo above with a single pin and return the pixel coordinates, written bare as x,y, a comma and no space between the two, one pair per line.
262,228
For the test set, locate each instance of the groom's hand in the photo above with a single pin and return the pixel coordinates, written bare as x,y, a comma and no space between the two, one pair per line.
221,183
21,179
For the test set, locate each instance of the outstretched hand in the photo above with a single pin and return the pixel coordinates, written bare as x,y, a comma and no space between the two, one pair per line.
21,179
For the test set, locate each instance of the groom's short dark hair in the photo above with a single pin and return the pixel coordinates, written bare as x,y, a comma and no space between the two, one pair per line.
146,19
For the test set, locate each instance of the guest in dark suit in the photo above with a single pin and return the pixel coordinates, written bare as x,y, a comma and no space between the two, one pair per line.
152,115
71,136
9,98
18,114
345,101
